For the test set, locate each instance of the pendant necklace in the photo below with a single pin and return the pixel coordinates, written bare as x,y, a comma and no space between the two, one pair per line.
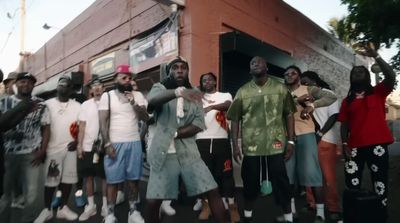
63,107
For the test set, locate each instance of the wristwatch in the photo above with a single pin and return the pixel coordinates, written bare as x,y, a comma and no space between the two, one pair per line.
291,142
319,133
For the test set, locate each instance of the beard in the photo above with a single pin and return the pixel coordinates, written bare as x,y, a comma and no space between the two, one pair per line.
122,88
170,83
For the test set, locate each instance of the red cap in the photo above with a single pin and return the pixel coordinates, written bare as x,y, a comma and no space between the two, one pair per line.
123,69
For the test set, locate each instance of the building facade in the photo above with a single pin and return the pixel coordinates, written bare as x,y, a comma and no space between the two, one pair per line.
220,36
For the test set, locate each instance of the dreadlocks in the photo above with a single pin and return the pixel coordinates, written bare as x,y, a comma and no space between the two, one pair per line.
357,86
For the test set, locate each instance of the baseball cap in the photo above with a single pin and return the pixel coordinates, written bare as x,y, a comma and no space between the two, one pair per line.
11,76
123,69
94,81
25,75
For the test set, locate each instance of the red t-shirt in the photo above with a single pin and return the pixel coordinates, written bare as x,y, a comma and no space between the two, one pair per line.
366,118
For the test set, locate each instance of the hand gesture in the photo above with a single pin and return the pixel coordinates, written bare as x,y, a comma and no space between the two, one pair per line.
289,152
72,145
130,97
80,152
237,154
306,113
192,95
305,98
366,49
40,156
346,152
111,152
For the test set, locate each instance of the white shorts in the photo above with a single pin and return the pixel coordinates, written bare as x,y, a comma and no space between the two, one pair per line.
61,167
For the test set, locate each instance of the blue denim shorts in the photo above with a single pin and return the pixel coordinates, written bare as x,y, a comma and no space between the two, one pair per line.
303,167
127,165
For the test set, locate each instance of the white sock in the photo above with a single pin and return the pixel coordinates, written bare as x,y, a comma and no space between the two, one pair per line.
321,210
293,205
91,201
58,193
104,201
231,200
225,204
288,217
248,214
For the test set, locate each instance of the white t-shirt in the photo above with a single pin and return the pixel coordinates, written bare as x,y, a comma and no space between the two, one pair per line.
90,115
123,120
214,118
322,115
63,117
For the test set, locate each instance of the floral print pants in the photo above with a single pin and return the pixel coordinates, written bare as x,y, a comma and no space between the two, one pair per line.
377,159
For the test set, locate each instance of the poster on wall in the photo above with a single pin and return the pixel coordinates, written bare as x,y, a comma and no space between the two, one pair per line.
154,49
103,66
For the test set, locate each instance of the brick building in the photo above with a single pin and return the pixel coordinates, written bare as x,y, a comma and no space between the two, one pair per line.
214,35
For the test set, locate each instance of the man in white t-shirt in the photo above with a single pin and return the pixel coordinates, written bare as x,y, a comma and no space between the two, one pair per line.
61,161
214,145
328,136
90,159
120,111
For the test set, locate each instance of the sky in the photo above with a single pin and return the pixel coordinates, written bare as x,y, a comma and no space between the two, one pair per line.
58,13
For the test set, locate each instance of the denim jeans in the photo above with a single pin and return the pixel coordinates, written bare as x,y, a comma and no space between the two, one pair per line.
18,168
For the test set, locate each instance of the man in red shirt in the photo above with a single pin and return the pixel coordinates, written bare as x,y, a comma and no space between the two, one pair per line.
365,134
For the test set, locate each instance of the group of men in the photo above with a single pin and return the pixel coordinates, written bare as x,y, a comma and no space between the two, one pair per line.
285,134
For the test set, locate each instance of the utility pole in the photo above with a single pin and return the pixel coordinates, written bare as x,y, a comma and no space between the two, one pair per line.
22,36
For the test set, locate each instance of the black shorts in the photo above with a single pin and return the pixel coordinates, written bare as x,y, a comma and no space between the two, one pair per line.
217,155
86,167
253,167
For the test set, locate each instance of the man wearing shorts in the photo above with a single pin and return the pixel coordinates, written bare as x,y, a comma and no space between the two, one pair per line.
173,152
60,164
90,159
305,163
120,111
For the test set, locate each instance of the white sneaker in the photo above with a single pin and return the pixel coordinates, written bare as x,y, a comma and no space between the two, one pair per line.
104,211
110,219
167,208
66,213
45,215
120,197
88,212
198,205
18,202
135,217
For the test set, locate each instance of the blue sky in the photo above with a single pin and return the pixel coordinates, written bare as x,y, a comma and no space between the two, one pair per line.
59,13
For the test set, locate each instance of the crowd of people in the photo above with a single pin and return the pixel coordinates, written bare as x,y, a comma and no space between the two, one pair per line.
285,134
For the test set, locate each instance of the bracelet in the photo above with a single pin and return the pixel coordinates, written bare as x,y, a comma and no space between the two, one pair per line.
291,142
176,134
319,133
107,144
377,57
345,143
